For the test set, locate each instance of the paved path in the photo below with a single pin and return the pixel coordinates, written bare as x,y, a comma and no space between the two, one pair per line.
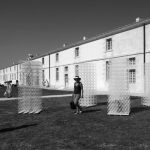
47,96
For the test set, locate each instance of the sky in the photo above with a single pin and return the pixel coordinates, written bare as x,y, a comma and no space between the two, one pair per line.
41,26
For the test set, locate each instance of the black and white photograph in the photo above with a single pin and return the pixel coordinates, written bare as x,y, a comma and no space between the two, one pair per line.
74,75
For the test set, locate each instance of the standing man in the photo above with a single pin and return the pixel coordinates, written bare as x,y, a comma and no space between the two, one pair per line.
78,93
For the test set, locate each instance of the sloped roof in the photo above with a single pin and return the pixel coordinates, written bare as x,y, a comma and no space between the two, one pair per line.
100,36
103,35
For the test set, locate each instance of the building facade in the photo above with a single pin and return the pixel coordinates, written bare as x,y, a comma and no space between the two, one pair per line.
131,42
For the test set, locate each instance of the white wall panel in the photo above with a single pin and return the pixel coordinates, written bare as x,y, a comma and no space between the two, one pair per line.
147,38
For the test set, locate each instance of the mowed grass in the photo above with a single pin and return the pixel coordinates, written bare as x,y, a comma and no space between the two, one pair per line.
57,128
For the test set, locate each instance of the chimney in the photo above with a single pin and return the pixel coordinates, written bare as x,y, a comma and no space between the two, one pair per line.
84,38
138,19
36,55
64,45
30,56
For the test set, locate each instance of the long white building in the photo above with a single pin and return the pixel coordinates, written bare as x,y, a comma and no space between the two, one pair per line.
59,68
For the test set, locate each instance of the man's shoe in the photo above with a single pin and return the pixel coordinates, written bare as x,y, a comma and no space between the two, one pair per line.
80,112
76,113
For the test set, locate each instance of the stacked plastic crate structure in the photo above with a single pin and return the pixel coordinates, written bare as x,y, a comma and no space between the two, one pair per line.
118,98
30,91
87,72
146,98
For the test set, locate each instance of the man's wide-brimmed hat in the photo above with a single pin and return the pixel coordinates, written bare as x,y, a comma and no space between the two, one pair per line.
77,78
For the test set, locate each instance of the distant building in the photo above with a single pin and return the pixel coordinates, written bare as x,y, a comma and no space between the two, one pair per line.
59,68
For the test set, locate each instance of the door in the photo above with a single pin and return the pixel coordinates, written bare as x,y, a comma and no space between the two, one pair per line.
66,80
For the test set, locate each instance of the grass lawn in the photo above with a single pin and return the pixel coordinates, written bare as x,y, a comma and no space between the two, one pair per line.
57,128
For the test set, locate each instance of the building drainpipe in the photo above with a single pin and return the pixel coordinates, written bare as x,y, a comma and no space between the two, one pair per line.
17,71
144,54
49,70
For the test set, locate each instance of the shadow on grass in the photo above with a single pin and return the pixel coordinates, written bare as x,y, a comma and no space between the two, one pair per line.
94,108
102,103
138,109
16,128
91,110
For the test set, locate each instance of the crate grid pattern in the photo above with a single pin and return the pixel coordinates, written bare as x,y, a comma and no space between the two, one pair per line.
118,98
146,97
30,91
88,78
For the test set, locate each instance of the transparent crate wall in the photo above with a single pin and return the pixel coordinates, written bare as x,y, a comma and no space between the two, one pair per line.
118,98
30,91
146,97
87,72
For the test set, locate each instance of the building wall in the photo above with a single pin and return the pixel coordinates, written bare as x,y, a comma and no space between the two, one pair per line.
148,40
126,44
45,69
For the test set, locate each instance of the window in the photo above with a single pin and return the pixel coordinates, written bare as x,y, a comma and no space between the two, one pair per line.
14,67
43,75
76,70
20,76
37,80
57,57
66,79
132,70
10,68
132,61
107,70
76,52
66,69
57,74
132,76
43,61
109,44
14,76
